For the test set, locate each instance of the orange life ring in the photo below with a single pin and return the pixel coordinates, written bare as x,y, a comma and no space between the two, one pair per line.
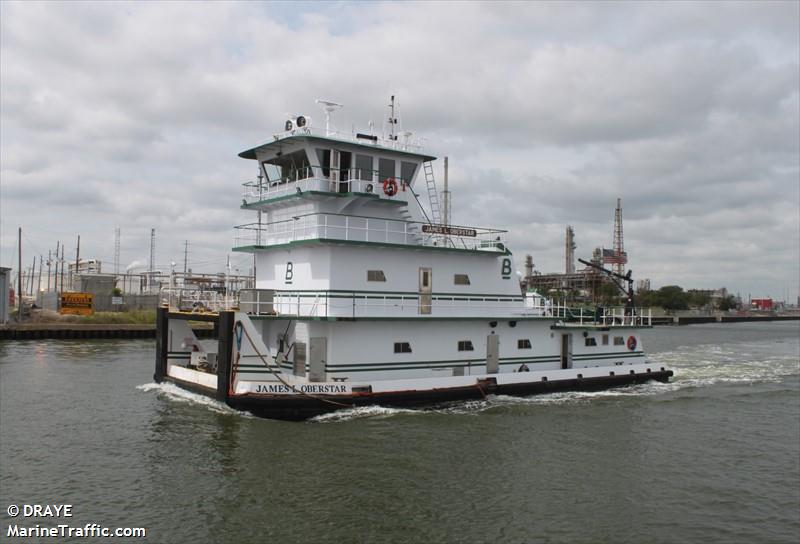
389,187
631,343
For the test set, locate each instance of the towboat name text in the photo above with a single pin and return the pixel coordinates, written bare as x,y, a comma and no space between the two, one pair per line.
305,388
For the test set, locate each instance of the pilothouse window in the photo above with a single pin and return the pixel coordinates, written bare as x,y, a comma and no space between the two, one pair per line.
287,167
407,170
324,158
364,167
385,169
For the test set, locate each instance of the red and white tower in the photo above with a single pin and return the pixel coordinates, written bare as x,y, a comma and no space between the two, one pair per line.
620,257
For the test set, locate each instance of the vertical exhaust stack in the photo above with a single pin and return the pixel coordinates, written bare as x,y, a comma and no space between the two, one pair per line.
570,250
446,194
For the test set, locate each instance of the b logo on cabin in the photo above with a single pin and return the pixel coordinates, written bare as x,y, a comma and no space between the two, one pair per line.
289,272
505,270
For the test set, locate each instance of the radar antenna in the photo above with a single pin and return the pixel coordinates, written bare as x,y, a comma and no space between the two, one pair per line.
329,108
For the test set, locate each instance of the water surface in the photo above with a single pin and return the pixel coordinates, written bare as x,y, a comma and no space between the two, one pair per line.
712,456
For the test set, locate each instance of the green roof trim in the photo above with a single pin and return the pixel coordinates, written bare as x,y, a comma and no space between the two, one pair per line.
334,241
251,153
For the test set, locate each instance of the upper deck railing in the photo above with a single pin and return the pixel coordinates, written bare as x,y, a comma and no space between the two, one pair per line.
317,178
368,229
404,142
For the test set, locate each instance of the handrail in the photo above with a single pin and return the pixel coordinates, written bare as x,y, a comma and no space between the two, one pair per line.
406,145
313,178
362,229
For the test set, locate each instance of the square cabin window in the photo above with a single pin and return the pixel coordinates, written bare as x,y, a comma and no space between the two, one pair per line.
402,347
461,279
385,169
407,170
364,167
524,343
376,275
605,339
465,345
619,341
591,341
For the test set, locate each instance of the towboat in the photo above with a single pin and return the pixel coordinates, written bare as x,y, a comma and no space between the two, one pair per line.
363,296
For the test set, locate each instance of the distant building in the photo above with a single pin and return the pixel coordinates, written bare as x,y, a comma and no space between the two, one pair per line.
85,266
764,304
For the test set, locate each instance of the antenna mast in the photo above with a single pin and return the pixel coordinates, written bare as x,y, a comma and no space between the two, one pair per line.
329,108
392,120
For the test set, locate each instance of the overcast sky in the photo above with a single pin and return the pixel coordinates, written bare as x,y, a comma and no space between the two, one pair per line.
131,116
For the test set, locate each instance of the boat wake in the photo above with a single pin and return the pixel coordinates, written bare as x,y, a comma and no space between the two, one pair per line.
694,366
175,393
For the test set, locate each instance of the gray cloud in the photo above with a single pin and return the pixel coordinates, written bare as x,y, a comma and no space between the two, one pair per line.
131,115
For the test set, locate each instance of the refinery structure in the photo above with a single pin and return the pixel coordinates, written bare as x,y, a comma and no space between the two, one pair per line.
585,284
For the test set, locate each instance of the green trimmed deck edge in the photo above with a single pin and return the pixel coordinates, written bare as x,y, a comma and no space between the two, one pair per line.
306,194
334,241
403,318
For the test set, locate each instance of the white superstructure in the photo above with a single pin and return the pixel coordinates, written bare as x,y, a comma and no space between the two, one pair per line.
358,289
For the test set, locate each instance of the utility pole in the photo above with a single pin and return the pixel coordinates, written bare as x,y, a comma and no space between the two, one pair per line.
39,287
19,279
152,268
49,262
78,255
116,250
62,270
185,257
55,279
33,275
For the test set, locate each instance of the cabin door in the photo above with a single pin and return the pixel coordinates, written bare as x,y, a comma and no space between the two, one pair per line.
492,354
345,164
425,290
566,351
318,356
299,366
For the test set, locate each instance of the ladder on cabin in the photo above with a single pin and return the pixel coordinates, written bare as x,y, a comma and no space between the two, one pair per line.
433,196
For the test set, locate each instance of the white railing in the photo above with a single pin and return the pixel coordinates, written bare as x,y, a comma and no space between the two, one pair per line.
196,300
610,317
367,229
350,305
316,178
